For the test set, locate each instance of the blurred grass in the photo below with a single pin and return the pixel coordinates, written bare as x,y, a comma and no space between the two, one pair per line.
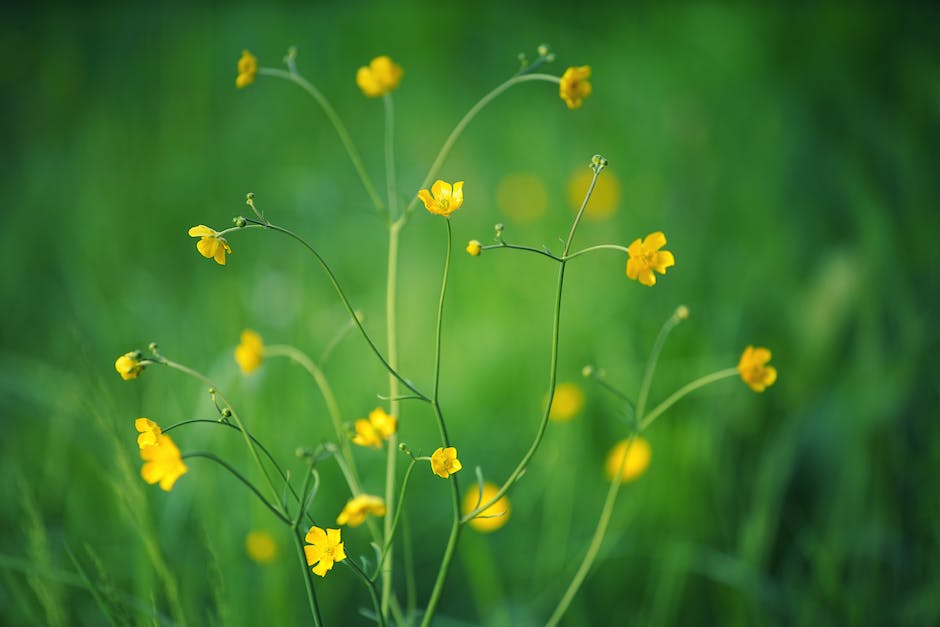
789,153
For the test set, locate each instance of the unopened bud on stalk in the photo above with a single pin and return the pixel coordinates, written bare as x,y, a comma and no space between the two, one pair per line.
226,413
152,347
598,163
499,230
682,312
587,372
543,50
474,248
239,221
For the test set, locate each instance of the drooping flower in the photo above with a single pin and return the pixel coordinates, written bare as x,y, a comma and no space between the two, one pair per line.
444,462
260,546
567,402
645,257
211,245
323,549
443,199
638,459
162,462
249,352
247,70
379,426
128,365
356,510
474,248
574,87
380,77
754,369
491,518
149,431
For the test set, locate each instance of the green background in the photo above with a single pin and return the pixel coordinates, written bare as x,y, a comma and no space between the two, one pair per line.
790,154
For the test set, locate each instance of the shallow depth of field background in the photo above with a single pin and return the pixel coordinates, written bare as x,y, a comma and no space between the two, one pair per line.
790,156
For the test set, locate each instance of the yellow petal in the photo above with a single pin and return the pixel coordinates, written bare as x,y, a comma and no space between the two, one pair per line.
315,535
457,195
220,250
663,260
207,247
339,553
655,241
333,536
323,567
425,196
312,553
647,278
201,231
441,190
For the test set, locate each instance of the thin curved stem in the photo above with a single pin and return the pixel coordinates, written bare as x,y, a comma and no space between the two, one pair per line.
394,524
681,392
370,585
528,249
241,478
643,395
308,577
334,118
589,249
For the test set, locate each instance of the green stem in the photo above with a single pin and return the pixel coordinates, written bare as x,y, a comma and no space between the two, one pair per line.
529,249
370,586
467,118
241,478
553,364
390,534
598,247
689,387
308,577
337,124
349,308
670,323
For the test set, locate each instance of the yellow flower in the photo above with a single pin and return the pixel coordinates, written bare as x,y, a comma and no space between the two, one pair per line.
261,547
574,85
247,69
149,431
491,518
381,76
754,369
567,402
249,352
474,248
211,245
163,462
444,462
638,459
445,201
324,547
128,365
645,257
356,510
379,426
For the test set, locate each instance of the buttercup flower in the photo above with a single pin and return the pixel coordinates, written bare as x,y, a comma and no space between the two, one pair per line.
356,510
574,86
249,352
128,365
163,462
149,431
324,547
210,246
754,369
474,248
442,200
638,459
381,76
567,402
260,546
491,518
379,426
247,70
645,257
444,462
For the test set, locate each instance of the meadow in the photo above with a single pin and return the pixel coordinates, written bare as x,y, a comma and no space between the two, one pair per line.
788,153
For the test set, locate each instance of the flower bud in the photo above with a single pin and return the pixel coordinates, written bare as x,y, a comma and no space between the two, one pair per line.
239,222
587,372
474,248
682,312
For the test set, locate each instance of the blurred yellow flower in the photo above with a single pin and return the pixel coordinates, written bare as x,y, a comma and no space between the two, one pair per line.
604,200
567,402
638,459
444,462
249,351
522,197
381,76
379,426
324,547
260,546
149,430
247,69
491,518
445,201
474,248
645,257
356,510
574,87
128,365
754,369
210,246
163,462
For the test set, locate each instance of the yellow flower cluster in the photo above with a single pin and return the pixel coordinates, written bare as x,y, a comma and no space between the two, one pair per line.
754,369
247,70
211,245
574,87
162,458
356,510
379,426
645,257
325,547
128,365
249,352
380,77
444,462
443,199
491,518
